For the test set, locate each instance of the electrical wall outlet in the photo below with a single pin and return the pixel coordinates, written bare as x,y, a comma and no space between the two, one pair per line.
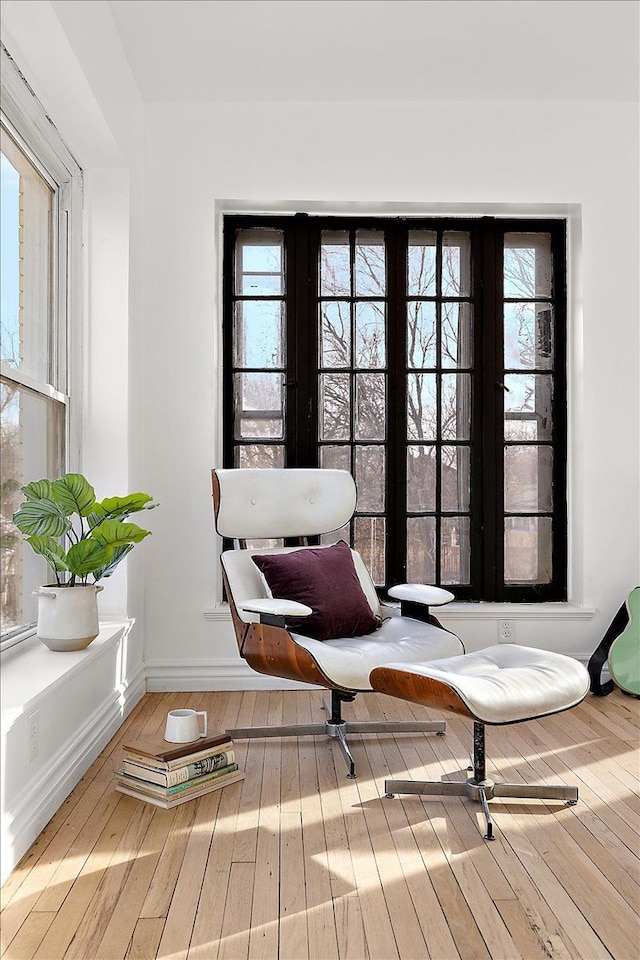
33,735
506,631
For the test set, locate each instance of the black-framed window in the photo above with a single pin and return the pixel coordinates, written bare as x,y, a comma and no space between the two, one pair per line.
427,357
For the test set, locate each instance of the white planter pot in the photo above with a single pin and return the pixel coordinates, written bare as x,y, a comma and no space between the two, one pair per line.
68,616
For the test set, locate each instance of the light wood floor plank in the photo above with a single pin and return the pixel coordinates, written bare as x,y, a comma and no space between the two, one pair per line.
29,937
263,936
184,903
321,921
299,863
146,939
165,877
236,926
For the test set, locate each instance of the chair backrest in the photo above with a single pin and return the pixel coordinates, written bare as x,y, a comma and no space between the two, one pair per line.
271,504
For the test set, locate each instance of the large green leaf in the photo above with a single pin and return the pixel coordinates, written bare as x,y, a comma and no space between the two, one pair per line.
118,554
41,518
74,494
51,550
118,508
38,490
113,533
86,557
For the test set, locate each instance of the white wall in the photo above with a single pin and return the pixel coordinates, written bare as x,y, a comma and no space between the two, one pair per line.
578,159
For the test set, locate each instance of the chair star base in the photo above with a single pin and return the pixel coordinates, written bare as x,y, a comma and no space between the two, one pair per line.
337,728
482,792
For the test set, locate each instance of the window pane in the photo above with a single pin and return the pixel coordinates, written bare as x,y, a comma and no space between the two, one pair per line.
456,406
421,550
528,405
528,335
528,267
422,421
335,264
26,212
31,447
370,264
455,550
422,263
421,478
456,264
344,533
528,479
370,423
259,455
335,334
370,335
258,334
527,550
371,478
371,408
421,334
455,483
335,406
369,540
259,262
259,405
457,335
335,458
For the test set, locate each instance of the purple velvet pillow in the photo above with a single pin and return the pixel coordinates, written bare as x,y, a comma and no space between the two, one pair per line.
325,579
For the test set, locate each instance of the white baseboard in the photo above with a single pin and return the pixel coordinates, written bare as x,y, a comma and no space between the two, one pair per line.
196,675
42,797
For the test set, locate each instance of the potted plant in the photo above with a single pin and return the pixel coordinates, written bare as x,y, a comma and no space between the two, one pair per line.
95,540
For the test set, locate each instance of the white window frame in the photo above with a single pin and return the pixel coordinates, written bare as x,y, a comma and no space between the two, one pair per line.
26,120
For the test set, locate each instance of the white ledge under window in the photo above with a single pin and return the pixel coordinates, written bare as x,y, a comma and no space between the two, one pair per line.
30,671
564,611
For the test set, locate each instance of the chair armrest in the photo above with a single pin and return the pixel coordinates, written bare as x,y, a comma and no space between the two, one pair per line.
421,593
275,612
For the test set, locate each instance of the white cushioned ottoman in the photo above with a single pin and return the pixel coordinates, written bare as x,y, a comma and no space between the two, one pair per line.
499,685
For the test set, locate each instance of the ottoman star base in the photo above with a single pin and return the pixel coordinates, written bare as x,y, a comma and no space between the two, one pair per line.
500,685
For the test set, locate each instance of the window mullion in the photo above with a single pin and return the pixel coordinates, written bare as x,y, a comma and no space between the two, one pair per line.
492,404
396,495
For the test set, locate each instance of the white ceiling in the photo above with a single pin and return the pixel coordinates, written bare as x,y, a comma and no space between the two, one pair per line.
370,50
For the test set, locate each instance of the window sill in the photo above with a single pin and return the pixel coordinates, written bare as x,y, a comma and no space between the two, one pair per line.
517,611
30,671
566,611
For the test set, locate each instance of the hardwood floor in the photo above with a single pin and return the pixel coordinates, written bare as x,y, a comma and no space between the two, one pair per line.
297,862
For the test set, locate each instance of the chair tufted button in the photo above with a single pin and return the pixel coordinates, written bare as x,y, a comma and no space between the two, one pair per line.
253,500
312,499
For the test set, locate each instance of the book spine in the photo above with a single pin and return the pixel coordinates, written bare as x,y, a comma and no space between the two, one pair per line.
169,778
145,760
198,781
200,768
155,790
179,798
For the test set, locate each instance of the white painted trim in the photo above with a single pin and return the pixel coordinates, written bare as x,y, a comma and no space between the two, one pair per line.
562,612
218,612
30,674
39,801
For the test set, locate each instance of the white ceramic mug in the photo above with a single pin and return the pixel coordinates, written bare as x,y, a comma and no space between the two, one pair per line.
184,726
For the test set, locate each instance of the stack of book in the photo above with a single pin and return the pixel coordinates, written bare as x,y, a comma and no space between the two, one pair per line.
169,774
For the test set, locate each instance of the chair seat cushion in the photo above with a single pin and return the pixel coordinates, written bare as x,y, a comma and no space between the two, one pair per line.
324,579
501,684
348,661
